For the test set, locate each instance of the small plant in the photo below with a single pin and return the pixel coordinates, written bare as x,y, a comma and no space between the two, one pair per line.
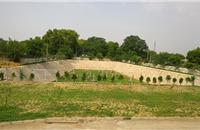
141,79
57,74
154,80
192,80
168,78
32,76
66,74
113,78
83,77
98,77
13,75
74,77
160,79
121,77
21,75
104,77
180,81
188,80
174,80
1,76
148,80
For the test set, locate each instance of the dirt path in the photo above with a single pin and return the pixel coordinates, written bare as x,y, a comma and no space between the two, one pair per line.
105,124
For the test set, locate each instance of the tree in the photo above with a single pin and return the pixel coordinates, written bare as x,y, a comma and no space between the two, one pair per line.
121,77
74,77
148,80
180,81
160,79
13,75
113,78
21,75
174,80
104,77
1,76
98,77
192,80
83,77
112,49
66,74
56,39
141,79
32,76
193,56
187,79
154,80
168,78
135,44
58,75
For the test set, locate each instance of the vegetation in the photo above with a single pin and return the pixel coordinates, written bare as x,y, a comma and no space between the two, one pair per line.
148,79
1,76
32,76
31,101
141,79
65,44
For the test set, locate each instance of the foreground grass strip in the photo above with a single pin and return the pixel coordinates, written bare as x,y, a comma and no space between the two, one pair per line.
34,100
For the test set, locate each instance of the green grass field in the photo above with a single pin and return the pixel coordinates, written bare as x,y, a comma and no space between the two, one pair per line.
20,101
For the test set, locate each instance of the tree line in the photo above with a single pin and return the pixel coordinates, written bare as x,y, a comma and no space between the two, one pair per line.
65,44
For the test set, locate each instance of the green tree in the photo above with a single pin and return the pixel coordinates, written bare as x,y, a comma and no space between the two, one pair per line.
180,81
113,78
192,80
141,78
104,77
58,75
21,75
154,80
174,80
188,80
74,77
135,44
148,80
1,76
160,79
168,78
83,77
66,74
32,76
193,56
13,75
112,49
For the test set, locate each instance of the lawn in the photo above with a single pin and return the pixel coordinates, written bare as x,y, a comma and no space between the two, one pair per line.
20,101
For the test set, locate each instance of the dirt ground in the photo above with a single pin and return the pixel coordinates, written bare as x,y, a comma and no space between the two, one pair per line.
92,123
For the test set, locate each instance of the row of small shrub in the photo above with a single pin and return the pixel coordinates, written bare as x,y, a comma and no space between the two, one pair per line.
168,78
21,76
85,77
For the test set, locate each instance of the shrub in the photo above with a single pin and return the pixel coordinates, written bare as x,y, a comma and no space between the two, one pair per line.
180,81
168,78
104,77
74,77
66,74
57,74
121,77
141,79
192,80
160,79
13,75
1,76
98,77
21,75
187,79
154,80
148,80
83,77
32,76
174,80
113,78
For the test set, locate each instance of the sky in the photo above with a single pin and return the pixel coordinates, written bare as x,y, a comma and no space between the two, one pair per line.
173,25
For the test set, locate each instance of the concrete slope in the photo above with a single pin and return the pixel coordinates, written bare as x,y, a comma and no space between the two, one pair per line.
46,71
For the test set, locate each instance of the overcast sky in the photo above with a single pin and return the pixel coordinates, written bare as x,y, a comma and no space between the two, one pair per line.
175,26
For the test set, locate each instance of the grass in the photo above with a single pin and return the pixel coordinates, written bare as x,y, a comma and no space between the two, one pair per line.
92,76
20,101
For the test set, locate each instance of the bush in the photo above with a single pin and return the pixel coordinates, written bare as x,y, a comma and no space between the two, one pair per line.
74,77
192,80
66,74
57,74
32,76
148,80
180,81
98,77
187,79
113,78
160,79
104,77
168,78
154,80
141,79
83,77
174,80
1,76
121,77
13,75
21,75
